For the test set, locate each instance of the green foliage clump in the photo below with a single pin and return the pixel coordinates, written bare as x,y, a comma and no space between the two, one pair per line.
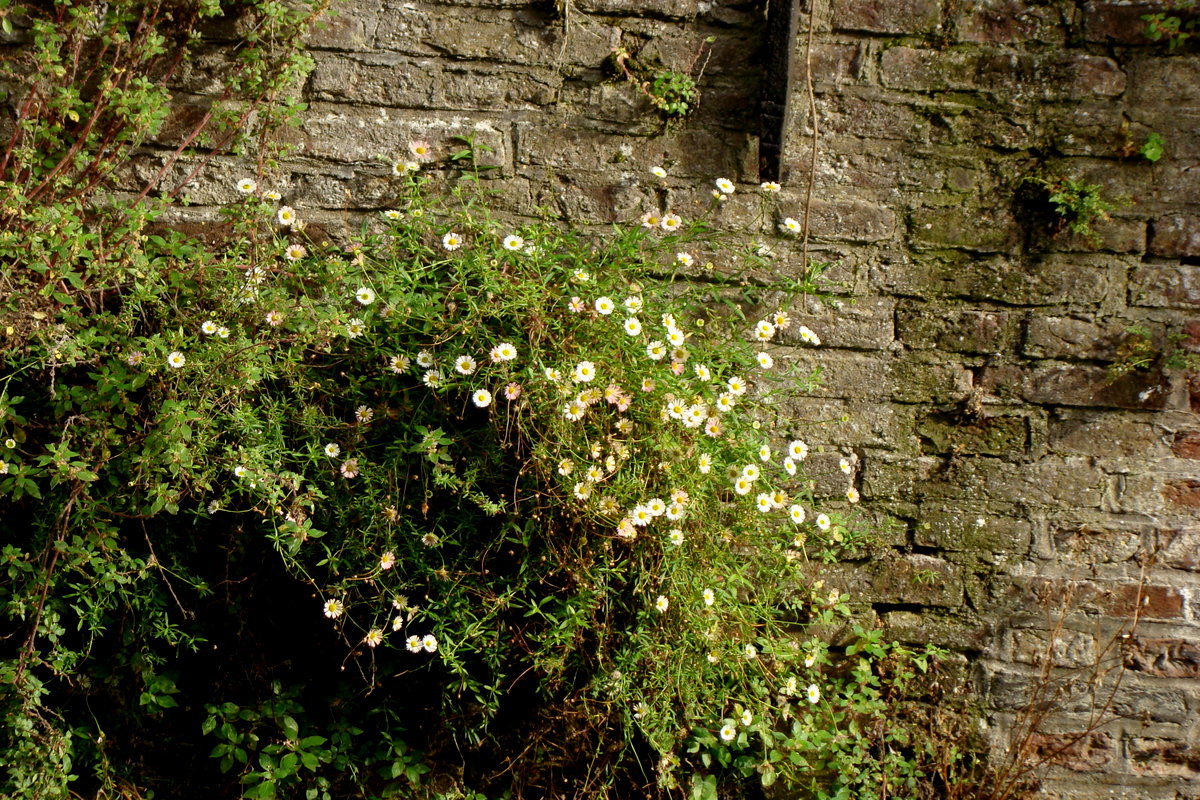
304,511
1076,203
1176,29
674,94
1138,352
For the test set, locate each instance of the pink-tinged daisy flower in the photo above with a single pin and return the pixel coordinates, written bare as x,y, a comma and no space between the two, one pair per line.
421,150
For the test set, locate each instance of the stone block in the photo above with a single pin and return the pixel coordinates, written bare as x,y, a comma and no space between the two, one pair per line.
929,378
669,9
1075,385
527,34
392,80
1052,279
1007,22
1105,434
1118,22
988,230
847,423
1078,752
851,221
1164,758
360,134
865,323
1003,435
1099,544
1067,648
348,25
1113,235
1179,549
1175,236
1165,285
689,153
1182,495
1047,77
954,529
1165,81
1051,482
887,16
955,330
1186,444
1073,337
1163,658
912,579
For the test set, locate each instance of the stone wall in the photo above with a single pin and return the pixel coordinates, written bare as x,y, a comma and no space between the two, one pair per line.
966,364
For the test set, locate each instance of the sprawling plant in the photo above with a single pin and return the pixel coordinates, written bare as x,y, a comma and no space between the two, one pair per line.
280,508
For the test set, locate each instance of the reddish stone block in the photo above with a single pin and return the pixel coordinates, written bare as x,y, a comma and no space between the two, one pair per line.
1164,758
1183,494
1186,444
1164,658
1078,752
1175,237
887,16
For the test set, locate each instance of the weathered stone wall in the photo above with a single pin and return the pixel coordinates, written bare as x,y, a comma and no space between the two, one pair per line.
966,368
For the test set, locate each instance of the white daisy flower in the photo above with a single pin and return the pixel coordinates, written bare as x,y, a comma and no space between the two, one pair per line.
333,449
728,731
176,359
656,350
355,328
763,331
724,185
790,225
671,223
814,693
709,597
750,652
823,522
208,328
504,351
413,643
633,304
334,608
798,450
852,495
764,453
675,537
604,305
429,643
736,386
656,507
286,215
246,185
373,637
633,326
661,604
364,296
650,219
295,252
763,502
704,463
482,398
513,242
464,365
747,718
769,187
585,371
751,472
452,241
807,336
222,332
702,372
796,514
658,172
424,358
685,259
765,361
